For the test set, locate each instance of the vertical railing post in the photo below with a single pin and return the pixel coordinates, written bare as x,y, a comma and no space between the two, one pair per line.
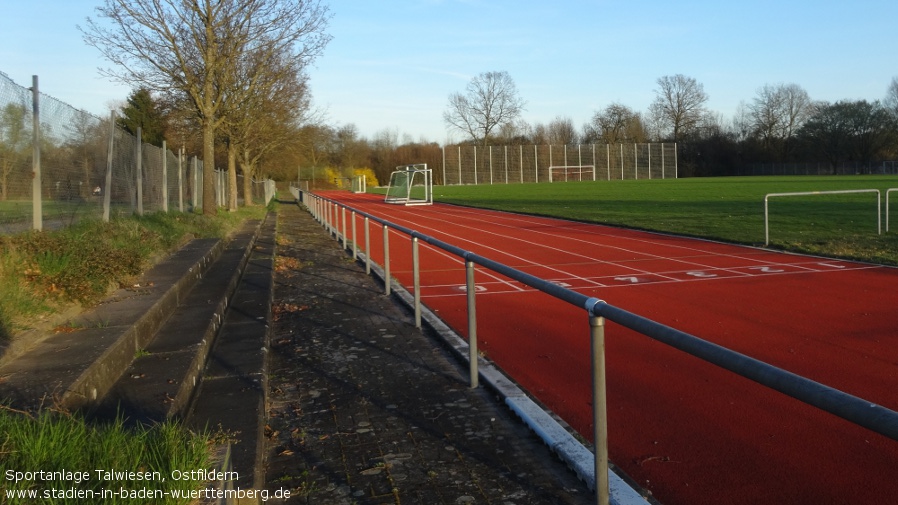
416,278
599,408
345,241
355,240
386,260
471,289
367,247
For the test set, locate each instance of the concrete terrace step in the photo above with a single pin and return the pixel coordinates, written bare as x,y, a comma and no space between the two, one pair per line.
164,373
78,368
233,391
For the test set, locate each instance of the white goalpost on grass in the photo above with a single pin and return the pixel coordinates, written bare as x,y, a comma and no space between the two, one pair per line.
564,173
411,185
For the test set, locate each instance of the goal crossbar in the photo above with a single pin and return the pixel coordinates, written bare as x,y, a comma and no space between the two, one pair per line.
809,193
558,173
411,185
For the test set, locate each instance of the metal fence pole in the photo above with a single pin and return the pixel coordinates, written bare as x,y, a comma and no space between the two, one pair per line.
181,176
355,240
139,162
367,247
416,277
37,212
107,188
472,322
164,177
386,260
599,408
345,241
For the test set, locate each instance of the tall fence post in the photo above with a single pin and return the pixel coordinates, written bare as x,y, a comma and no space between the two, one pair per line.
599,408
107,187
164,177
471,289
138,153
181,179
37,212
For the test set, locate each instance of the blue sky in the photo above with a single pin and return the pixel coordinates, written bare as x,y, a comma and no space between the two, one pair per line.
392,64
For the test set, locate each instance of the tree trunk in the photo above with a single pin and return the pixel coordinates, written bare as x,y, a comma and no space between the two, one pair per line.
209,208
232,177
247,182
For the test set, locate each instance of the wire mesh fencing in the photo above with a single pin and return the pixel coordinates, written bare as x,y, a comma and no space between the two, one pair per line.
59,164
470,164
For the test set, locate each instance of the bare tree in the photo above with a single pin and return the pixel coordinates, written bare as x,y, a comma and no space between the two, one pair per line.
679,104
616,124
191,49
891,100
490,101
561,131
777,113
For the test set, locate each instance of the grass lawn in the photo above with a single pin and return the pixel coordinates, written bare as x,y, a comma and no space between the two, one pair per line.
729,209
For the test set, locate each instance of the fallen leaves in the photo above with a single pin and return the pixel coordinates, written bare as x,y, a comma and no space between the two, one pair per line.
279,309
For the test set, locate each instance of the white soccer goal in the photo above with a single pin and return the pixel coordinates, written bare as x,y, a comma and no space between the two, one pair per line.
572,173
359,184
411,185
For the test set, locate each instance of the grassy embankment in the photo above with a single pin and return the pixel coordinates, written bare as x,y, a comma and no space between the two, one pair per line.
43,276
728,209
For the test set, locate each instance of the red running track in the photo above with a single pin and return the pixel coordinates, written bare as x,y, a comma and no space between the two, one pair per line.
689,432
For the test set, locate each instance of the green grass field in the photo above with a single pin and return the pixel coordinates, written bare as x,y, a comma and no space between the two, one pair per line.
729,209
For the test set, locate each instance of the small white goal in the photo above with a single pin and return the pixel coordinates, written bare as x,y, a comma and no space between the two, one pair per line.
566,173
359,184
411,185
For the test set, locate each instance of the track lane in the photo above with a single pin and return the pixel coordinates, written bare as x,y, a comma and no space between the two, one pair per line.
697,434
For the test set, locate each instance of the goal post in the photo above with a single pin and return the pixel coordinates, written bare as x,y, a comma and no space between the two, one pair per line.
564,173
359,184
411,185
812,193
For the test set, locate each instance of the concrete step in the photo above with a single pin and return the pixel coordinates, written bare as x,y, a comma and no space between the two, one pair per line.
75,369
232,394
164,373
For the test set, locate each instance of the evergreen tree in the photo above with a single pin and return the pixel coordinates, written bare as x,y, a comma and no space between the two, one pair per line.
143,111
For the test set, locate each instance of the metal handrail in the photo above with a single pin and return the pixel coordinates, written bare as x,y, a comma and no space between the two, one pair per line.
849,407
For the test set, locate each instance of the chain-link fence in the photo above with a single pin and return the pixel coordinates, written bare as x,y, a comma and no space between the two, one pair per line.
74,165
468,164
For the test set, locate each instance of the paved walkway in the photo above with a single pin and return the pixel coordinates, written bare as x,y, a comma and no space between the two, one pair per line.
366,409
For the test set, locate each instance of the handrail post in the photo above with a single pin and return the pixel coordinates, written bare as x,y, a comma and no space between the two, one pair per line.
386,260
355,239
345,241
472,322
416,275
599,408
367,247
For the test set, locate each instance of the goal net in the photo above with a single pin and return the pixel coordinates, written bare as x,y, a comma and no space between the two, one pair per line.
359,184
411,185
572,173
